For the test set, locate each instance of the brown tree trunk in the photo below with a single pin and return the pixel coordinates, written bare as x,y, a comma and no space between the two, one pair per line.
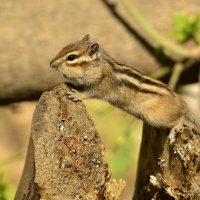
168,171
65,154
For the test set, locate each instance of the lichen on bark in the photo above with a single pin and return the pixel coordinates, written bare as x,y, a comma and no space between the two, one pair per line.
169,171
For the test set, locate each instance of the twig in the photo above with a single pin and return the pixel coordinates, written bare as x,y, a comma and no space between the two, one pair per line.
171,49
176,73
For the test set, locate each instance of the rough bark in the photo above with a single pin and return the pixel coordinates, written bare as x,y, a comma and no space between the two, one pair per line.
168,171
65,156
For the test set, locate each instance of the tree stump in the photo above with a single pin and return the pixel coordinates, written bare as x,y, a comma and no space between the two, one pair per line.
65,154
168,171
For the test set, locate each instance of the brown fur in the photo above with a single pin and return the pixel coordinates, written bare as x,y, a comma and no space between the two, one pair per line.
101,77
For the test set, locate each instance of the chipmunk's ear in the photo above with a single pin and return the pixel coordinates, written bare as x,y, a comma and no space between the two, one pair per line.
87,38
94,48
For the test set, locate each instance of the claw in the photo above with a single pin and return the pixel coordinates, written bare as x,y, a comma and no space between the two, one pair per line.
74,90
74,95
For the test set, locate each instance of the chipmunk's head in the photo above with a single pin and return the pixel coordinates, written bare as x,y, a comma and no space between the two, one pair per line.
79,62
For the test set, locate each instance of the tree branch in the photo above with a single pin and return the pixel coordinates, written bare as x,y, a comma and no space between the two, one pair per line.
174,51
176,73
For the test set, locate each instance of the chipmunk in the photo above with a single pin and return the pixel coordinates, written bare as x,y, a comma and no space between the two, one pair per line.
94,74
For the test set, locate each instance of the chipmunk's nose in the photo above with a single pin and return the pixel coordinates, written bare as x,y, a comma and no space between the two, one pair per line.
53,64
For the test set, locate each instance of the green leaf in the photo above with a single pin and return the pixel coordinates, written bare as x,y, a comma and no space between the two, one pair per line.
186,27
182,27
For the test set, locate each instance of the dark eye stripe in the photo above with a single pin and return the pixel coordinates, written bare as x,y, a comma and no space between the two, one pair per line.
71,57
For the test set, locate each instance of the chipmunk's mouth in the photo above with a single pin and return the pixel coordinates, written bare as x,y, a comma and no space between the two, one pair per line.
67,77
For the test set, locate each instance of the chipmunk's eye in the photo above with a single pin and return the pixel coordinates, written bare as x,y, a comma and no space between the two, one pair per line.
71,57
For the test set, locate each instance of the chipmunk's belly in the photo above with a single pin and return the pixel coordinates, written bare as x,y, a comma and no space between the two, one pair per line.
159,112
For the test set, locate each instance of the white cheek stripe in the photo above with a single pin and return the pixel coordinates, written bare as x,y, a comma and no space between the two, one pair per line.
73,52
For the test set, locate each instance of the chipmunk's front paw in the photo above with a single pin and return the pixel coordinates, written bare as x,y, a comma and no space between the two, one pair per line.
75,95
